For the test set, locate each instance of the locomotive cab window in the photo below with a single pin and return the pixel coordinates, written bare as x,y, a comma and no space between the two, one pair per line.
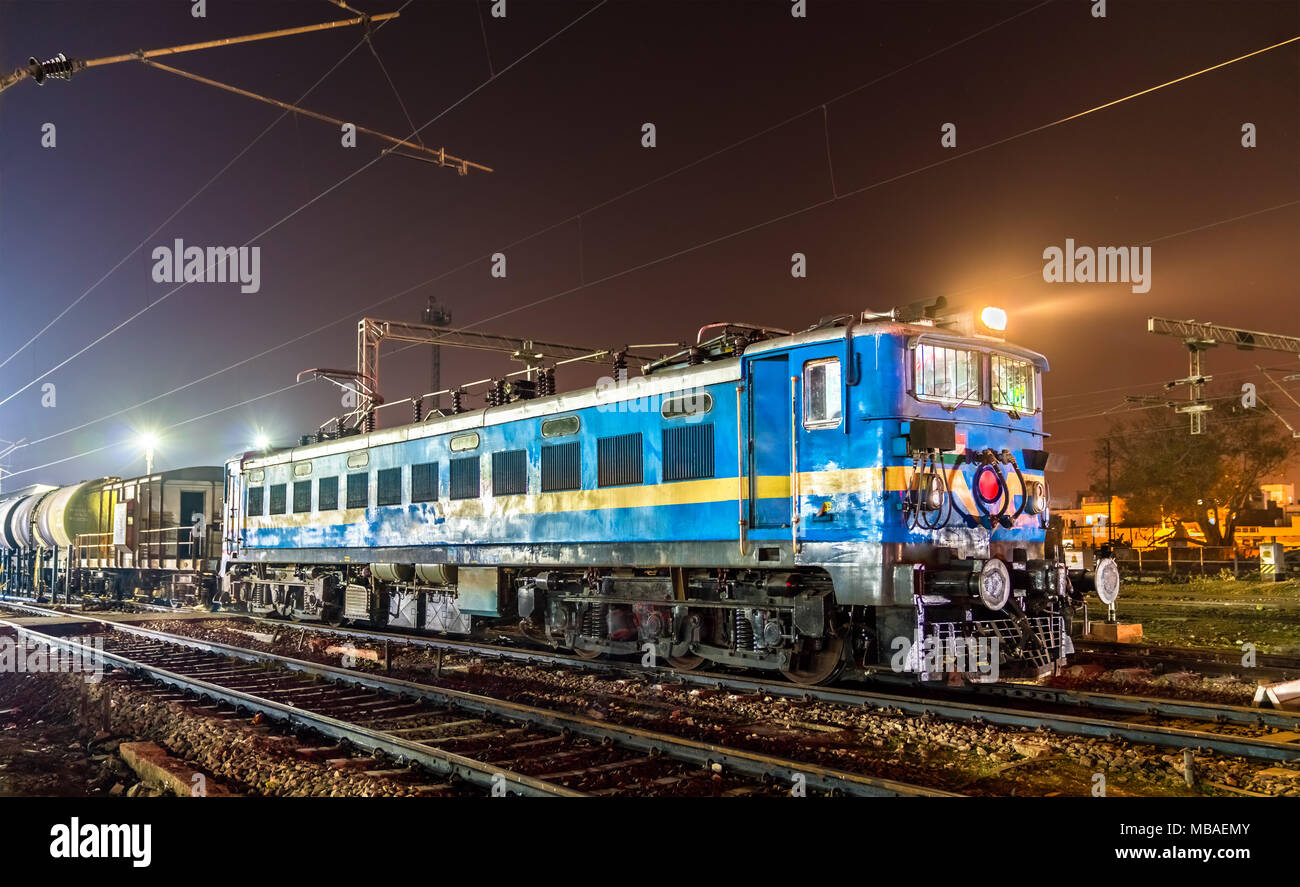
1012,383
822,393
687,405
562,427
463,442
948,376
256,501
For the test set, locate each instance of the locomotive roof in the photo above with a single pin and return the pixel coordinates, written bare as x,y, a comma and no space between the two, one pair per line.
664,381
893,327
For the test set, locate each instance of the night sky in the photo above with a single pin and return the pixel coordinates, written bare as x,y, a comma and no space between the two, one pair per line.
734,88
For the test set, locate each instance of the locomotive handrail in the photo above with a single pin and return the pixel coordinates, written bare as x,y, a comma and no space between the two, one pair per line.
794,464
740,467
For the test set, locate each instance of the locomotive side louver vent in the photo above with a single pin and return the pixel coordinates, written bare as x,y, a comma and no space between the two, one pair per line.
509,473
327,494
424,482
562,467
301,496
688,452
358,490
619,460
465,478
389,483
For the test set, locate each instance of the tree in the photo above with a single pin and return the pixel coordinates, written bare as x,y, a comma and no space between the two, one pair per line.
1206,479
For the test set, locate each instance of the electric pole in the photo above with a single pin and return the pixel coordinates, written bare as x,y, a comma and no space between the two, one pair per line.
1110,497
435,315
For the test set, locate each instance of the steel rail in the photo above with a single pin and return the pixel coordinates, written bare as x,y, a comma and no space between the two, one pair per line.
1190,655
1149,705
1158,706
971,712
746,763
446,764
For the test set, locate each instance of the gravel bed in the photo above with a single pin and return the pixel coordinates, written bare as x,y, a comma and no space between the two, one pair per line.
973,758
54,741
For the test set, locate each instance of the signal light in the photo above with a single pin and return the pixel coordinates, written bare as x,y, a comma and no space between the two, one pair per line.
988,486
994,318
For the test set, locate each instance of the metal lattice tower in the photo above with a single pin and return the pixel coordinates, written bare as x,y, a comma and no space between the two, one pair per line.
1200,337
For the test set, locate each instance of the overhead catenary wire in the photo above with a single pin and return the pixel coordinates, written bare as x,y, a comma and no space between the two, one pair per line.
866,188
192,198
806,209
350,315
126,443
1068,416
599,205
546,229
1037,271
319,196
1137,432
33,69
438,155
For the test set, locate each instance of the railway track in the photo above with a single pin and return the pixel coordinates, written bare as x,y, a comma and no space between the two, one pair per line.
1268,666
1082,703
1064,711
1070,711
496,744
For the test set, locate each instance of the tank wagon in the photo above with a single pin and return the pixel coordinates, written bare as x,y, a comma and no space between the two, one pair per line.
870,489
22,564
151,537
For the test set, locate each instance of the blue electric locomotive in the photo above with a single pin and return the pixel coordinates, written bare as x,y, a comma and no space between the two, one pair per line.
869,489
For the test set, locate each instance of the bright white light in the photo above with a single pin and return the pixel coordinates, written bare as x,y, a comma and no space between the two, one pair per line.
261,442
148,440
994,318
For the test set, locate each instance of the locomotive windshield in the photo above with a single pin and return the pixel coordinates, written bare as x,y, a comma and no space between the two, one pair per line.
947,375
1013,383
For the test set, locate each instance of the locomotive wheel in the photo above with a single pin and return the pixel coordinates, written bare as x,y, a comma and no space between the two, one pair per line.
688,662
819,667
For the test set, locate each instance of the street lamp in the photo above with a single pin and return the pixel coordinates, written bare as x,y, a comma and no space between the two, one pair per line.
148,441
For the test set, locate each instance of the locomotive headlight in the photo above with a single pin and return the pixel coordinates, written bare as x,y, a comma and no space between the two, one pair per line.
994,318
994,584
1035,498
933,493
1106,579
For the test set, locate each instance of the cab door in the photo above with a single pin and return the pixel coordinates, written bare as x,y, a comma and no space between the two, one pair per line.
770,418
821,447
